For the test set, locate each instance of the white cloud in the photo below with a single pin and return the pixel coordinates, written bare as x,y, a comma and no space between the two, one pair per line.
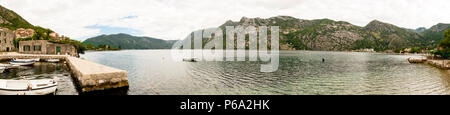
174,19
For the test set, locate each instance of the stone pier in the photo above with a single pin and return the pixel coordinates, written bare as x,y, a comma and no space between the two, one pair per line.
89,76
92,76
443,64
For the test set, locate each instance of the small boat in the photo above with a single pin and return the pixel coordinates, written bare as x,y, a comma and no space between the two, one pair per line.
22,63
28,87
34,59
2,69
190,59
53,60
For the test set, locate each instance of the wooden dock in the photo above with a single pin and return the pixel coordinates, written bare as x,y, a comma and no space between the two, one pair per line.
89,76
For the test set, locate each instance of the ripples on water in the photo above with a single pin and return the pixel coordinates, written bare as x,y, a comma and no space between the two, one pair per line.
300,72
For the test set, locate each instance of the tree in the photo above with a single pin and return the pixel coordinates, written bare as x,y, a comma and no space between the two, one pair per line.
415,50
444,46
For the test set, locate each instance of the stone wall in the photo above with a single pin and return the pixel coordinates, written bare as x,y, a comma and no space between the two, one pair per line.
65,49
6,40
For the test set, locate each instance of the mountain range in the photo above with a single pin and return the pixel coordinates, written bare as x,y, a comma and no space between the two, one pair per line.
319,34
125,41
330,35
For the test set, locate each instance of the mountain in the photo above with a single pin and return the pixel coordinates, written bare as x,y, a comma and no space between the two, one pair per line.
12,20
125,41
330,35
419,30
296,34
435,34
384,36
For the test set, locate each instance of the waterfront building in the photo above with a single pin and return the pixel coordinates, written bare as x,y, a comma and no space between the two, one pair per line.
46,47
6,40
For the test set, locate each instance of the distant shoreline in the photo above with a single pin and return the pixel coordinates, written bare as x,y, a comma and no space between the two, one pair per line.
418,54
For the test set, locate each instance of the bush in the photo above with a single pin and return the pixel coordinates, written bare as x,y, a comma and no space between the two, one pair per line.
415,50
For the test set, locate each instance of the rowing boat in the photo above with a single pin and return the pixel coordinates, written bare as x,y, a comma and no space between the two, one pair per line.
28,87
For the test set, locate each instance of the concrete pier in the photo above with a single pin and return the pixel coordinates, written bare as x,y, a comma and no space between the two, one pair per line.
90,76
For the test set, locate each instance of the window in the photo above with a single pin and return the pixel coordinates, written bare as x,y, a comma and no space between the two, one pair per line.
26,48
37,48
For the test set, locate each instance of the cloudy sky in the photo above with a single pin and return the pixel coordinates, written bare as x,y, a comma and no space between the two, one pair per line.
174,19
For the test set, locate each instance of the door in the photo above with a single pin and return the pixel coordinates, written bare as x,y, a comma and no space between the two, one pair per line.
58,50
7,49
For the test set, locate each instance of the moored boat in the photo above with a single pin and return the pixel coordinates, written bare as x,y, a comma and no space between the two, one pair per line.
22,62
53,60
33,59
28,87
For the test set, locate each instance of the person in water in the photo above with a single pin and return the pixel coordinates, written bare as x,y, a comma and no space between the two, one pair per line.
323,59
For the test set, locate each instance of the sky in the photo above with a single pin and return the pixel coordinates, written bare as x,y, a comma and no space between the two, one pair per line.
175,19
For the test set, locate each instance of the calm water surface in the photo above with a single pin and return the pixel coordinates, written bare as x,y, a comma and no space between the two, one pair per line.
300,72
153,72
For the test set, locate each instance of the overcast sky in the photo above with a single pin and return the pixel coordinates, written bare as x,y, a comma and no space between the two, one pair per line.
174,19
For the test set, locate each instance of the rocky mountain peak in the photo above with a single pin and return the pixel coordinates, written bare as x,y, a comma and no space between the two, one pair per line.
375,23
378,26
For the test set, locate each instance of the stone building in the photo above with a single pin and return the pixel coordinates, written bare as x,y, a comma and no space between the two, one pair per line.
7,44
23,33
46,47
6,40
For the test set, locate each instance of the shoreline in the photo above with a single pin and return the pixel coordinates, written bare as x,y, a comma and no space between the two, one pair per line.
413,54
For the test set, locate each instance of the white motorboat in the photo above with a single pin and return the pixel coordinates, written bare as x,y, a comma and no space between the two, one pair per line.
28,87
53,60
23,63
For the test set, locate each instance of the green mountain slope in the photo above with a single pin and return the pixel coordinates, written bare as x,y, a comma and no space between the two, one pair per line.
125,41
383,36
435,34
12,20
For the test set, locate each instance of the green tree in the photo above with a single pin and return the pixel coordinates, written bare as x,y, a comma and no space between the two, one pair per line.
415,50
444,46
